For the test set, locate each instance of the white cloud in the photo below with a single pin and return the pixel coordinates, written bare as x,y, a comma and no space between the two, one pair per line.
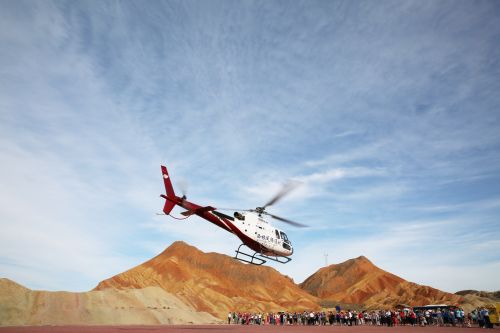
408,249
92,100
339,173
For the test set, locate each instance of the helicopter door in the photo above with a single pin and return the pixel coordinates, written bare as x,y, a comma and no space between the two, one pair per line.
277,234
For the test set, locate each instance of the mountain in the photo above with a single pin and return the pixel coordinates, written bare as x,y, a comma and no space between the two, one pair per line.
147,306
213,282
472,299
184,285
494,295
359,281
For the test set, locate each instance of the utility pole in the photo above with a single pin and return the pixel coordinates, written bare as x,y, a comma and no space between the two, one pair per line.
326,259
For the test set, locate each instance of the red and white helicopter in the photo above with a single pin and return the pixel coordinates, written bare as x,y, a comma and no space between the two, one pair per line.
267,242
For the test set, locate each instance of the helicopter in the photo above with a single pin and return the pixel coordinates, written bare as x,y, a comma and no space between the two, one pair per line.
258,235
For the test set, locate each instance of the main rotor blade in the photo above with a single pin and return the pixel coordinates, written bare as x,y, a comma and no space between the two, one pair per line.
296,224
237,209
287,188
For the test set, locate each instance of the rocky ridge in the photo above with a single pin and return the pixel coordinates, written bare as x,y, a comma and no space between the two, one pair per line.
214,283
359,281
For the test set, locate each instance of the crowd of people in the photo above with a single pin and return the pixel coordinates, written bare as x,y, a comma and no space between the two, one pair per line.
407,317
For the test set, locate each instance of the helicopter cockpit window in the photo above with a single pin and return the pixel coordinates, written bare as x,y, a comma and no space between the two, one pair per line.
283,236
277,234
239,216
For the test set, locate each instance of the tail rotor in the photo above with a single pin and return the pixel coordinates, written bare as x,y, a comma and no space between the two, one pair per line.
170,198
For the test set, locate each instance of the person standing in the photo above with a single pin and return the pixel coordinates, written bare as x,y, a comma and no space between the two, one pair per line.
480,318
459,318
486,315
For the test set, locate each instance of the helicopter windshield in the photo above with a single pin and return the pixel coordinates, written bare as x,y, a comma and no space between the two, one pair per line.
284,237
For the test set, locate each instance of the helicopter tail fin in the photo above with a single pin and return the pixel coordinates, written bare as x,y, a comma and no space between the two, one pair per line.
170,197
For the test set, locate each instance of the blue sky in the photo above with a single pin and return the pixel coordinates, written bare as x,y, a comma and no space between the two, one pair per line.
387,112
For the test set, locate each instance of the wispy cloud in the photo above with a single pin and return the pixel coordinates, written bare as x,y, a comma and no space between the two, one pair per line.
384,120
472,206
438,244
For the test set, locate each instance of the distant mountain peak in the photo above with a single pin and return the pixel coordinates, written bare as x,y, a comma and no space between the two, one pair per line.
179,247
359,281
362,258
360,263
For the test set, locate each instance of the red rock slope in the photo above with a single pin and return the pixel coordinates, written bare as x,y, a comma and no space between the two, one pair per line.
358,281
214,283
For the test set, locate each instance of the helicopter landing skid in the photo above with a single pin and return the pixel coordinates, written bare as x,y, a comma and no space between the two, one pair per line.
258,258
281,260
252,258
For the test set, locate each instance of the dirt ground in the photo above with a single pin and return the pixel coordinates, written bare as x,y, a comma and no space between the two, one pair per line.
235,329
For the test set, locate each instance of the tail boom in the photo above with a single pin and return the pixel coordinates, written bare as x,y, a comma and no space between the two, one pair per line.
205,212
